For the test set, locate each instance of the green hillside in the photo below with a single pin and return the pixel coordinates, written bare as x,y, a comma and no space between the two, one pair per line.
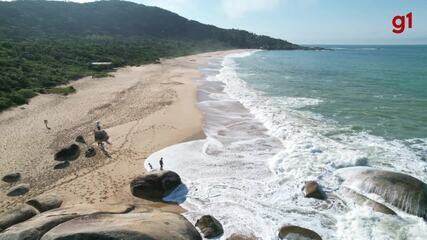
47,43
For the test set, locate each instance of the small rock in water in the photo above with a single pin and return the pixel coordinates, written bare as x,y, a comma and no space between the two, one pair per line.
46,202
17,215
90,152
69,153
316,150
210,227
295,232
12,177
361,162
18,190
313,190
155,185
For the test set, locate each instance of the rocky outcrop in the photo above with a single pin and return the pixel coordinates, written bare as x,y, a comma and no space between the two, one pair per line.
238,236
362,200
296,232
45,202
210,227
18,190
313,190
68,154
155,185
11,177
36,227
398,189
153,225
16,215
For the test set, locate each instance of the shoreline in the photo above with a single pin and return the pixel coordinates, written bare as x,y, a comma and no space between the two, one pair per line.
144,109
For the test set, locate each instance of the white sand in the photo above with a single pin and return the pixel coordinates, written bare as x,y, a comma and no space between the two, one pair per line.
142,108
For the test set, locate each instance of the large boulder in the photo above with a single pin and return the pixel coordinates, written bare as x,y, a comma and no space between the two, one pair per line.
18,190
45,202
16,215
313,190
11,177
155,185
69,153
398,189
363,200
153,225
209,226
36,227
297,233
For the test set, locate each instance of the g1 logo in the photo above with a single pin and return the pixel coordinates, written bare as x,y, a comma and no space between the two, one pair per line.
399,23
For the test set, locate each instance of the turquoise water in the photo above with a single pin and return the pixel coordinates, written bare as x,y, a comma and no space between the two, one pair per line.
381,90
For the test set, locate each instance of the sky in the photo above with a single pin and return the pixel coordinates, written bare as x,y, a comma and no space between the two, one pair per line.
308,21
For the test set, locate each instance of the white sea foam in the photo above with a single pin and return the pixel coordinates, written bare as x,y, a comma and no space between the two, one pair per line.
259,150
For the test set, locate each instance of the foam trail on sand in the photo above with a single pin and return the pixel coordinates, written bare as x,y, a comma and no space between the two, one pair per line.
258,152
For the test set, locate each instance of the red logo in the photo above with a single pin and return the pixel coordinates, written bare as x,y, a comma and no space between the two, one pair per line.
399,23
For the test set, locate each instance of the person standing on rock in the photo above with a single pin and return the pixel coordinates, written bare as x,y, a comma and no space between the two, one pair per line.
161,164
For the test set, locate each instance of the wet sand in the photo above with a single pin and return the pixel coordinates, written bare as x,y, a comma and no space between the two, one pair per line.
144,109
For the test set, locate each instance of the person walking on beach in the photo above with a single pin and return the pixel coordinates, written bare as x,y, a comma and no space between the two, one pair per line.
45,123
161,164
101,136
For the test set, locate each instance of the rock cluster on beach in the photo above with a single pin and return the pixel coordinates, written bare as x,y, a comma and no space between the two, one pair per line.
43,218
18,189
118,222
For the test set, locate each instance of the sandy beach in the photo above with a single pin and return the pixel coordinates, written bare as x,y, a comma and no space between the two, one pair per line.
144,109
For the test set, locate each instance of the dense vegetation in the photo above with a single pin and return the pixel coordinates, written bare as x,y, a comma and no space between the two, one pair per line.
47,43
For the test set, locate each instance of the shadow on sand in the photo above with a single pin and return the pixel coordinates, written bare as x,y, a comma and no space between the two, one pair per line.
62,165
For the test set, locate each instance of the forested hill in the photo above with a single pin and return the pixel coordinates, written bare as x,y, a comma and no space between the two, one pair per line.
29,19
44,44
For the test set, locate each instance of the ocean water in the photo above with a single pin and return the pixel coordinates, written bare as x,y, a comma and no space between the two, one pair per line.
275,119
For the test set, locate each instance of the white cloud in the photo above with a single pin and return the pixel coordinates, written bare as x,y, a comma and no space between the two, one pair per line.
238,8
